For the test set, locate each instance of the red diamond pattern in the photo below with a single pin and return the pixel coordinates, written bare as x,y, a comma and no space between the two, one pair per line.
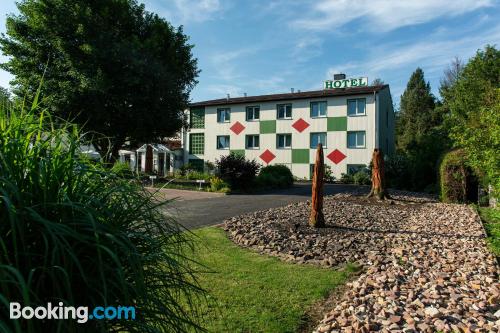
267,156
237,128
336,156
300,125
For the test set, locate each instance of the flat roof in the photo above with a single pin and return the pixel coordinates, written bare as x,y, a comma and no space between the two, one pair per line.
290,96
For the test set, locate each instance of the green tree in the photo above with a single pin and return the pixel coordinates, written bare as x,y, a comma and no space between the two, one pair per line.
109,65
473,102
420,136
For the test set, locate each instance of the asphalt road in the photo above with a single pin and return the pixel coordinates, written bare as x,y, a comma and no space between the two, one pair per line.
194,211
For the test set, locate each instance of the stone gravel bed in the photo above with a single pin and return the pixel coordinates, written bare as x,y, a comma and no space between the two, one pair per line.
426,264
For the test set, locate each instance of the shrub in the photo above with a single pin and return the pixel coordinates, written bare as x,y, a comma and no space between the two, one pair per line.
346,178
218,185
196,175
329,177
75,232
458,183
123,170
237,171
361,178
275,176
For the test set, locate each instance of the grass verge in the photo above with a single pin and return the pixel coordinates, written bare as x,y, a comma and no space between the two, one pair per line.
491,219
256,293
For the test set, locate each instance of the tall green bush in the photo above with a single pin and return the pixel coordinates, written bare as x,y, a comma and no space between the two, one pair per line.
74,232
457,181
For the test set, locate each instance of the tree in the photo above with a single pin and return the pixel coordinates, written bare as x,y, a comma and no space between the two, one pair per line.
420,136
451,74
473,102
317,219
109,65
377,82
416,111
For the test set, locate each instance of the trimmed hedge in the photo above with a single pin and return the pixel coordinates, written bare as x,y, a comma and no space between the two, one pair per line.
275,176
457,180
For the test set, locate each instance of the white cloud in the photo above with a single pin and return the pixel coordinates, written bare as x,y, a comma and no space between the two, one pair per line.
186,11
382,15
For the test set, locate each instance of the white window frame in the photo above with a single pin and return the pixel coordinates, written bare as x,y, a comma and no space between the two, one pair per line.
227,115
323,143
319,115
228,141
284,135
253,146
251,110
357,113
357,145
285,106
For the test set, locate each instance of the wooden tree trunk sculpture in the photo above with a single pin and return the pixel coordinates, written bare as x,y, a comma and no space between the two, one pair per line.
378,176
317,219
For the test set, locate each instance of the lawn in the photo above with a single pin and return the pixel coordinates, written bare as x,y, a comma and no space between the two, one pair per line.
257,293
491,218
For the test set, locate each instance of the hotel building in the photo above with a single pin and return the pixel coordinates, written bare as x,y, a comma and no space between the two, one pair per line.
350,120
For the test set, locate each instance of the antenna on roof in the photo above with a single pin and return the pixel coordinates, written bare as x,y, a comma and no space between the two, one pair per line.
292,90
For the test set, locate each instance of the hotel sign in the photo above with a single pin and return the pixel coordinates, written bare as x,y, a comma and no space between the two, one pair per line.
346,83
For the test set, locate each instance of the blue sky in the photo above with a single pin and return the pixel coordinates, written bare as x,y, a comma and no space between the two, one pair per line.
263,47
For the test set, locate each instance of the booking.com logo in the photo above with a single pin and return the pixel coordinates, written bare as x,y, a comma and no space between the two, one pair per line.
81,313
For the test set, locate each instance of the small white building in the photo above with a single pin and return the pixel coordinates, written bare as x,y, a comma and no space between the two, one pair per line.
153,158
349,118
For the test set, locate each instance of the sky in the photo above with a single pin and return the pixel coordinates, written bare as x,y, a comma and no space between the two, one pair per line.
270,46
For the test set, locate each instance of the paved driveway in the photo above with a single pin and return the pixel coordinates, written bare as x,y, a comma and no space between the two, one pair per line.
194,210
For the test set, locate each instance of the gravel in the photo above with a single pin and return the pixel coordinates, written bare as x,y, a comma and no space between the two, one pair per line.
426,265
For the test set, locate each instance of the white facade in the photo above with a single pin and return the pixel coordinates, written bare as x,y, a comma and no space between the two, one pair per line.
375,124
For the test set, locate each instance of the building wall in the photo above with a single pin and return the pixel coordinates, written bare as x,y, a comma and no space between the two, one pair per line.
336,137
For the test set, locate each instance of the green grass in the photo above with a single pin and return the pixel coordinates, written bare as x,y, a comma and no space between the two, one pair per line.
491,218
257,293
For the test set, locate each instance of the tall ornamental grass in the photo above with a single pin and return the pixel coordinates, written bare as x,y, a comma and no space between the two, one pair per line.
73,231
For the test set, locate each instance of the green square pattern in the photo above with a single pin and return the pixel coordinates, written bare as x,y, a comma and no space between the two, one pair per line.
197,164
300,156
240,152
267,126
197,118
336,124
197,143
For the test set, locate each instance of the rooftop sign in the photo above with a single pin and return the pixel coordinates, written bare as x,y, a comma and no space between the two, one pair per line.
346,83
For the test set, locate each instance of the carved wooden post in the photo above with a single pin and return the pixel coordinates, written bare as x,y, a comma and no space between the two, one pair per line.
317,219
378,175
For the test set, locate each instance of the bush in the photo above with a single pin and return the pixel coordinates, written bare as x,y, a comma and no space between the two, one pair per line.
346,178
218,185
123,170
196,175
361,178
458,183
329,177
237,171
397,171
275,176
74,232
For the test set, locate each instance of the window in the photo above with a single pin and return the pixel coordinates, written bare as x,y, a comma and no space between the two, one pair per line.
253,113
356,139
284,141
222,141
284,111
223,115
356,107
197,143
318,109
353,168
252,141
317,138
197,119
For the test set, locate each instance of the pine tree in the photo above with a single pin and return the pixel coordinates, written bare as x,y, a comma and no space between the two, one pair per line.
417,116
